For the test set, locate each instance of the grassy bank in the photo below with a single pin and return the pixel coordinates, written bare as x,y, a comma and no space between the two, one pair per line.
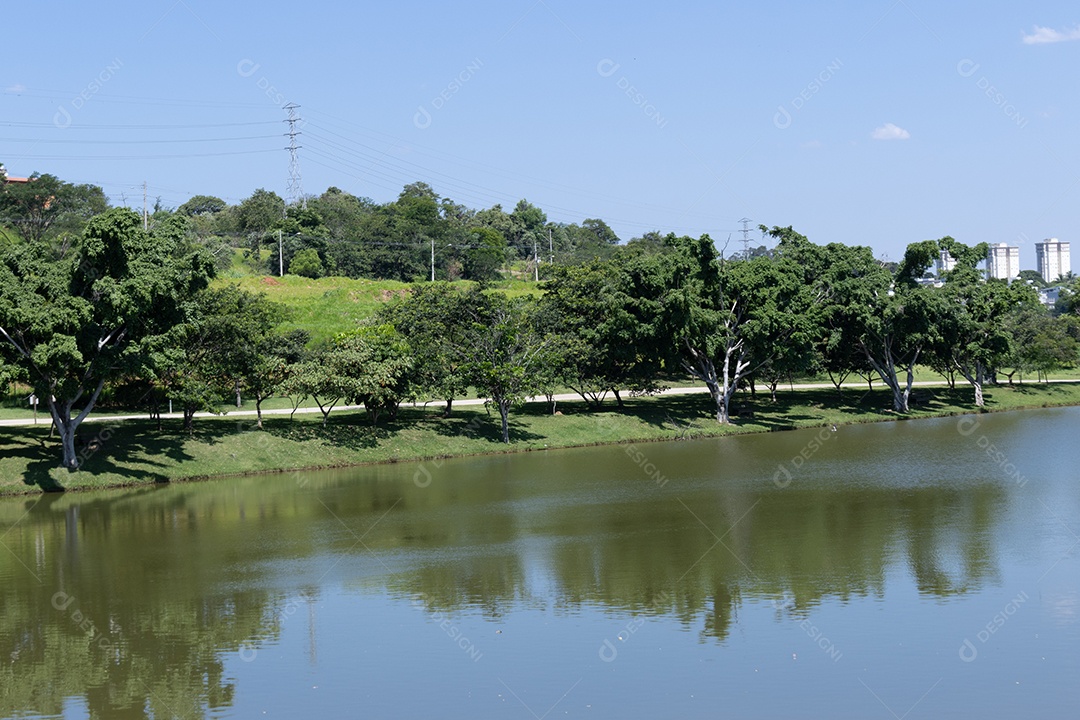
135,453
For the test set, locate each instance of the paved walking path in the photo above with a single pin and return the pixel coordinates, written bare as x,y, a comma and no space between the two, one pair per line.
43,417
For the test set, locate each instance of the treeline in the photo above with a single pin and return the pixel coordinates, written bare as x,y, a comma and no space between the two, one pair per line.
343,235
334,233
129,312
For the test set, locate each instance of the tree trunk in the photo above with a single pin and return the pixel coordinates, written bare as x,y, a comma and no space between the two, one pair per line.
239,403
721,387
449,407
258,411
887,373
977,380
66,426
618,397
504,413
67,442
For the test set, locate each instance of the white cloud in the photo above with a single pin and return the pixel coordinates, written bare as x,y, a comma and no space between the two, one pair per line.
16,88
1043,35
888,131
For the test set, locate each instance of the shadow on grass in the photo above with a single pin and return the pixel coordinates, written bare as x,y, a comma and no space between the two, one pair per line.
352,430
474,423
106,451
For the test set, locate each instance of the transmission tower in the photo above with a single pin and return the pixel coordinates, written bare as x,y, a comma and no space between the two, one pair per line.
745,238
295,191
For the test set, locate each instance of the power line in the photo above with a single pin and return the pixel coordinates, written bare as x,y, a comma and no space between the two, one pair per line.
136,142
134,157
493,170
136,127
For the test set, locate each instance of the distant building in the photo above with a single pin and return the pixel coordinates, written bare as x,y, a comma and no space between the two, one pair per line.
1049,296
1003,262
945,263
5,178
1052,257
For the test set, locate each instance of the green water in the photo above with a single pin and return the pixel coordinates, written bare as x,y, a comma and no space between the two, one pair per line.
925,569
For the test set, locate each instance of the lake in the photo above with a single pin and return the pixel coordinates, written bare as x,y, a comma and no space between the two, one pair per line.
920,569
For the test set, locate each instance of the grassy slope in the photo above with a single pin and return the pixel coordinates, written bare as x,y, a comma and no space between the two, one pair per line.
134,453
325,306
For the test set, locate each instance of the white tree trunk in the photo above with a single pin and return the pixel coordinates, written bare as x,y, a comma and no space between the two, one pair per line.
67,426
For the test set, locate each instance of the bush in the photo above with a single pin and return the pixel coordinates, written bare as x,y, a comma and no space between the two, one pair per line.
306,263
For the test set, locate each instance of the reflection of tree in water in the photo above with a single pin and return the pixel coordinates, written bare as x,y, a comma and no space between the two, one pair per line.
794,548
170,584
132,637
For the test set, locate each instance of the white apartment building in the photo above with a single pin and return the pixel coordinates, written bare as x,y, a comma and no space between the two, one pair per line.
1052,257
1003,262
945,263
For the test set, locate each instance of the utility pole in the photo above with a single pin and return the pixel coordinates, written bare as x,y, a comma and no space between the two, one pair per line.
280,256
551,250
295,192
745,238
536,261
145,219
432,259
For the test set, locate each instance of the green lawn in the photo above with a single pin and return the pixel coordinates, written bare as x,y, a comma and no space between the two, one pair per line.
134,453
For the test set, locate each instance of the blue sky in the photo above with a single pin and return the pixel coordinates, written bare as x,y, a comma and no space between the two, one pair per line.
880,122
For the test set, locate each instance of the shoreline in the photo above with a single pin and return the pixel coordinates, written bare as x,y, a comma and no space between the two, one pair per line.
607,426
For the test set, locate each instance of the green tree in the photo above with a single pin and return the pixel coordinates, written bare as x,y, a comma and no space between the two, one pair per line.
202,205
271,358
328,376
256,218
1042,343
306,263
527,229
382,370
501,350
892,319
581,243
835,274
1033,278
215,351
603,346
47,206
343,216
486,255
260,212
75,320
430,318
728,319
